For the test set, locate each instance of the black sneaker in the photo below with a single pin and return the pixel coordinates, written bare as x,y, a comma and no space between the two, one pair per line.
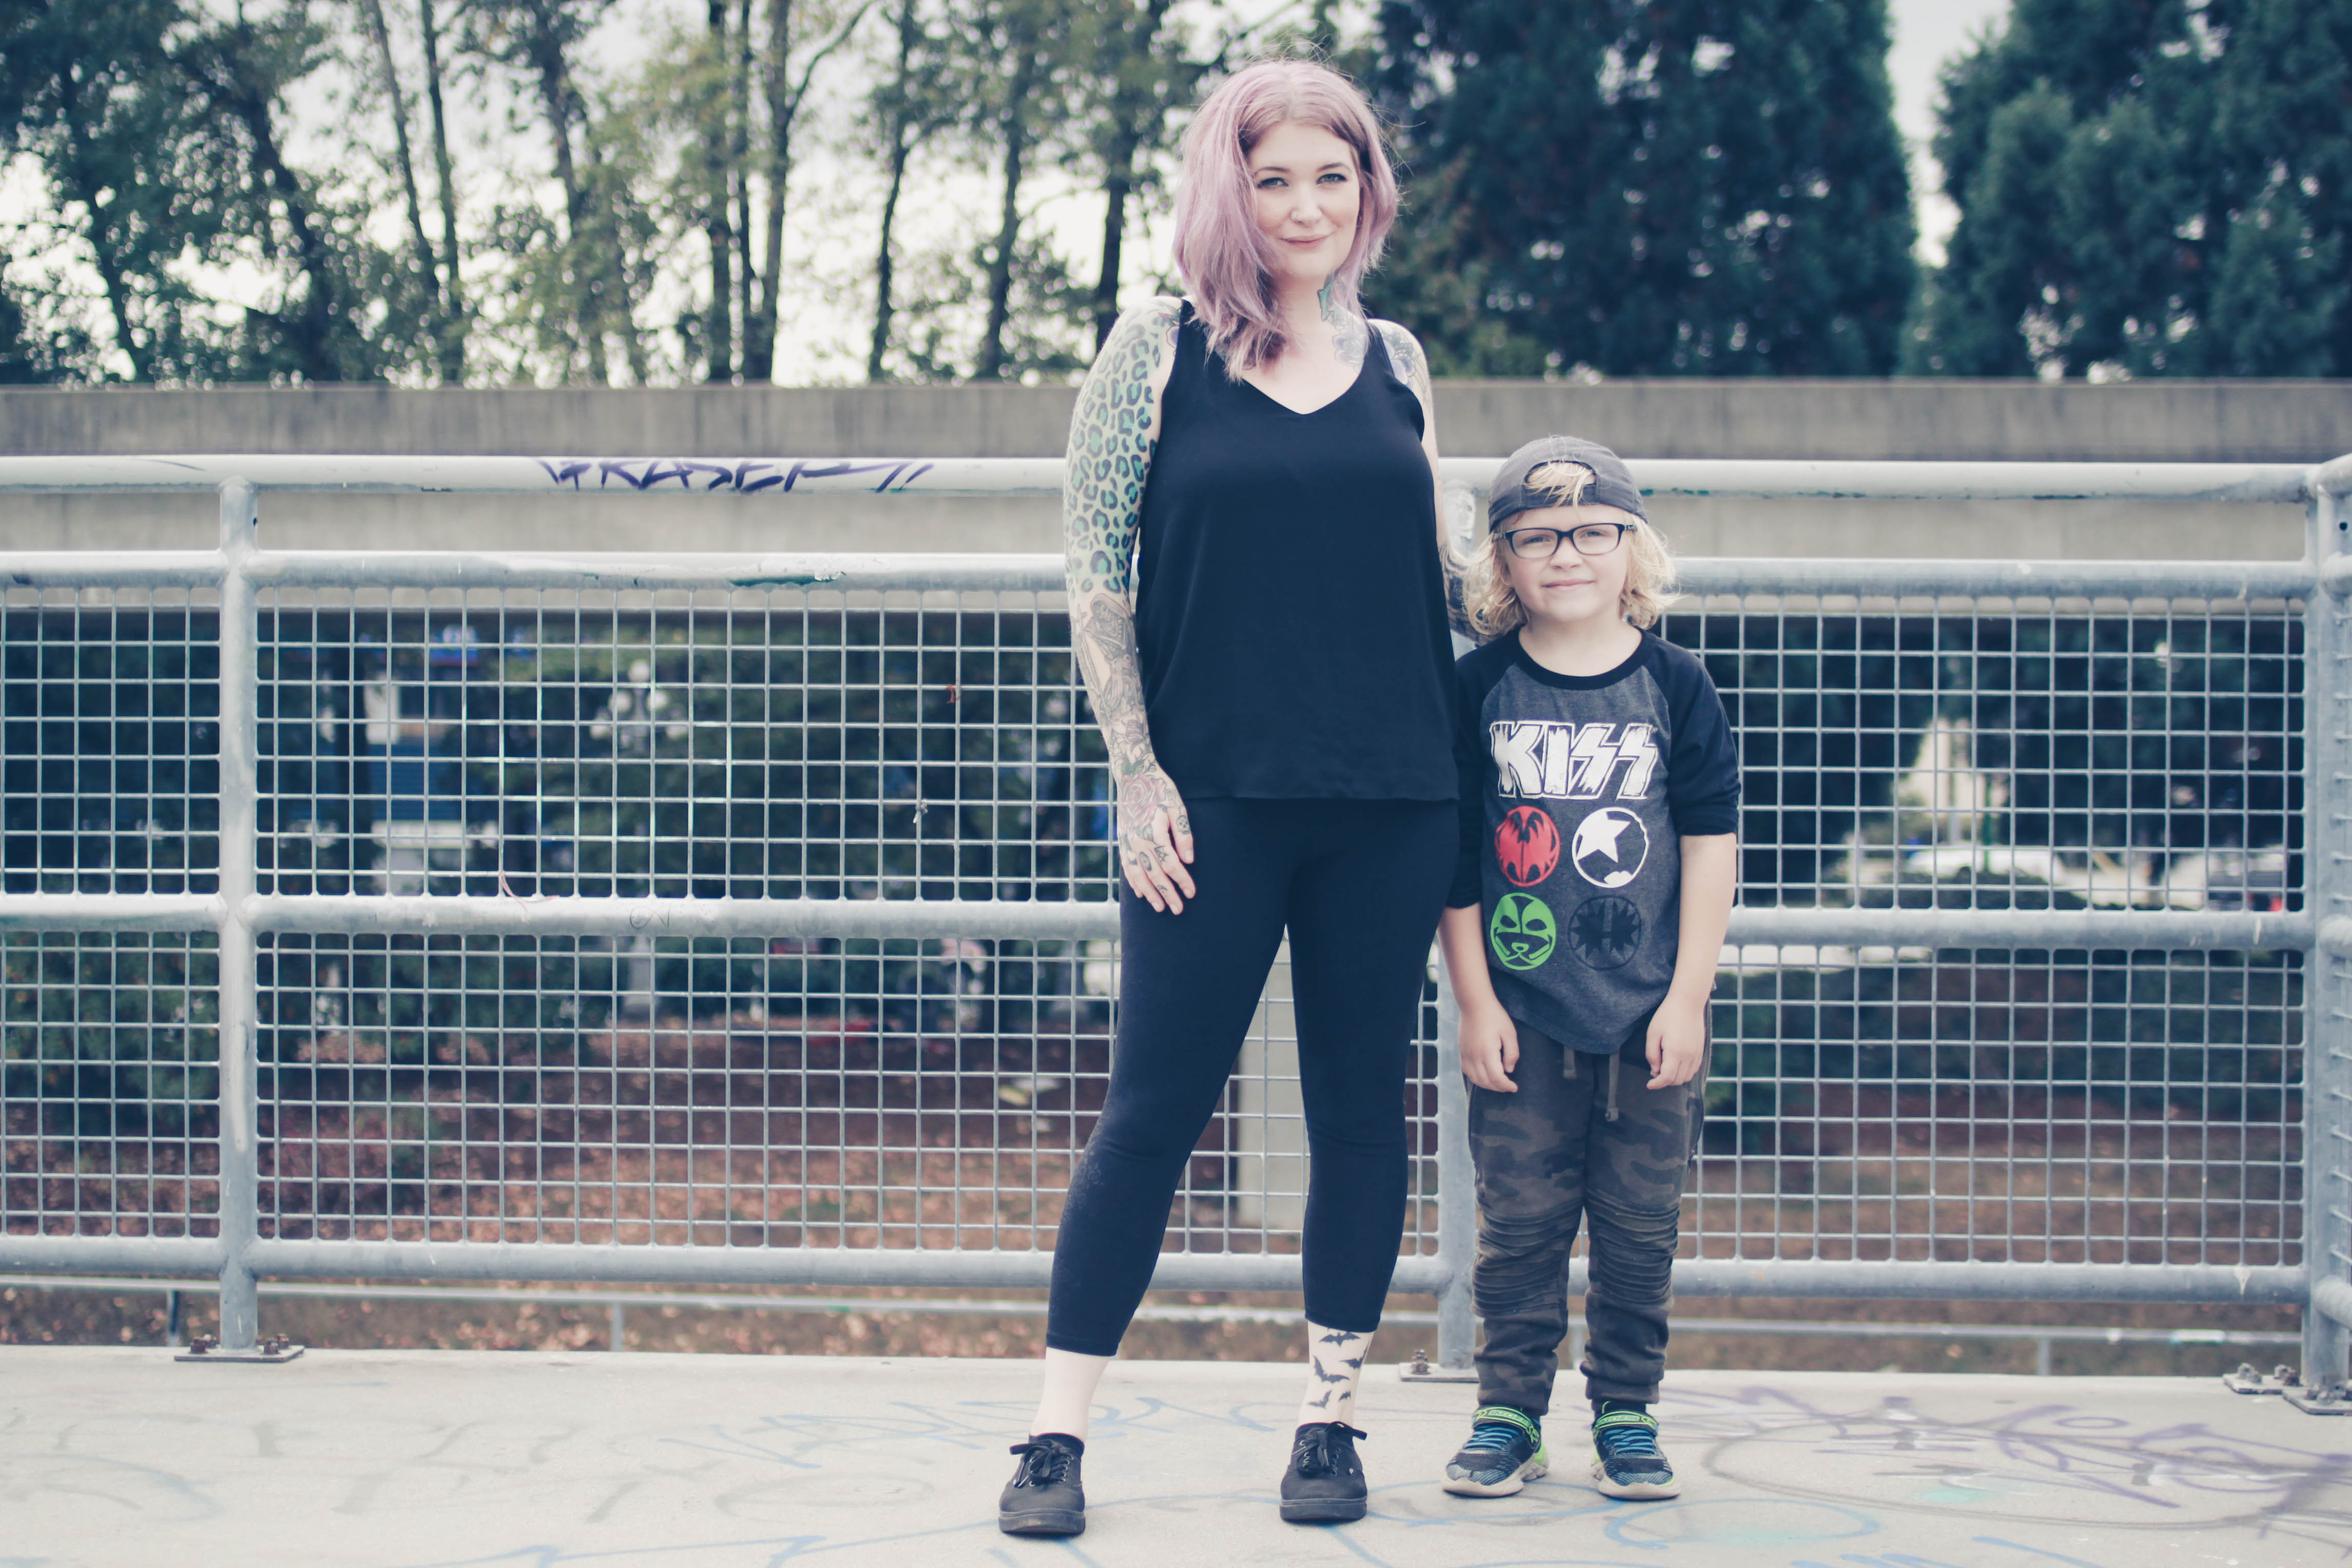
1325,1483
1044,1497
1626,1459
1505,1451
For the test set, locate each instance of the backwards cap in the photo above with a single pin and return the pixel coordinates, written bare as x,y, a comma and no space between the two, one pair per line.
1612,484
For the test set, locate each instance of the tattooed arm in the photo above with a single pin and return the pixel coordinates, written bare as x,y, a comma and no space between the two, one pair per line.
1412,367
1112,434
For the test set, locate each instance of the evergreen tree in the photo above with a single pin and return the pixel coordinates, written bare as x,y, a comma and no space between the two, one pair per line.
2152,185
1690,188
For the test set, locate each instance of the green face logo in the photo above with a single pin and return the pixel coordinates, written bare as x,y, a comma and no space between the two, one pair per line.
1522,932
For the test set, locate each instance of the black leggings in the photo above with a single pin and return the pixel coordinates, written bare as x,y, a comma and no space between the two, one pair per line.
1359,883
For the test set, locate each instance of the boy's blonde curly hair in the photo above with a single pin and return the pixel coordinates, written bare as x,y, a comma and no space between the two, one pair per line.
1495,609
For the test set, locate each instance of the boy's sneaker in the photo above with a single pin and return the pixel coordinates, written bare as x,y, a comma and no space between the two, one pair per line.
1505,1451
1626,1459
1044,1497
1325,1483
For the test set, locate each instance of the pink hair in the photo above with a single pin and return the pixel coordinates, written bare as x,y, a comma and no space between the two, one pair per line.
1227,263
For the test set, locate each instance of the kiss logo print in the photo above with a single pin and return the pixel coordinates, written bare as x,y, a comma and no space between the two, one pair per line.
1604,932
1522,932
1526,846
1611,847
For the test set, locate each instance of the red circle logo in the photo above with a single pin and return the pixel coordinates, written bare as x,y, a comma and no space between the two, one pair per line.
1526,846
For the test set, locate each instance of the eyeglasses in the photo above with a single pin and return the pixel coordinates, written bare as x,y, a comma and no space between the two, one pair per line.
1590,538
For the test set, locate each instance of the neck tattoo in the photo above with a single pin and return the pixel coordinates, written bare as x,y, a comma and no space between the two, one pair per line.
1349,336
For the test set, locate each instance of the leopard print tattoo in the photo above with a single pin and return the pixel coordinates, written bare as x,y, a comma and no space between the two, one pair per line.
1109,458
1412,368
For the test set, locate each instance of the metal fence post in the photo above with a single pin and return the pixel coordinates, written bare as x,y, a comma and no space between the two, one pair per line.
2327,1010
240,1184
1457,1207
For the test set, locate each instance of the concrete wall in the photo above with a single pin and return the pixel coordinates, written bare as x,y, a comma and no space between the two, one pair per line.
2294,421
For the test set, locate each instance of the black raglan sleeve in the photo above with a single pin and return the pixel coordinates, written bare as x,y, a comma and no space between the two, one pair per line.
1475,674
1702,766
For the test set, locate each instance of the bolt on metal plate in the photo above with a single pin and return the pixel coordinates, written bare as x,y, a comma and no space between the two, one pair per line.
1421,1369
2326,1400
2246,1380
205,1347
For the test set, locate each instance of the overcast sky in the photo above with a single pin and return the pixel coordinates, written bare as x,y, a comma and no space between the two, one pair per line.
1926,34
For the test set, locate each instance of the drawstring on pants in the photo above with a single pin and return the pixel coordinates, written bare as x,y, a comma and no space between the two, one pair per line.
1568,1071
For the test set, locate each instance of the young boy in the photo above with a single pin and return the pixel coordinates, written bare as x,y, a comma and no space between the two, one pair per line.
1600,794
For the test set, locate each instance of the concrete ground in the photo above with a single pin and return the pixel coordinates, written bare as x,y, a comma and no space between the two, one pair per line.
407,1458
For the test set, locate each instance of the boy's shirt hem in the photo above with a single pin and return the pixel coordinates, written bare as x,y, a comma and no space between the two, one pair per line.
1576,793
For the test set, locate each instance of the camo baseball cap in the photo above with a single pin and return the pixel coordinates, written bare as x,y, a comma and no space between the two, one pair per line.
1612,484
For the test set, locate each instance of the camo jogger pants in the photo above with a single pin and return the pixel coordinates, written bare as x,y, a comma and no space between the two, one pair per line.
1576,1141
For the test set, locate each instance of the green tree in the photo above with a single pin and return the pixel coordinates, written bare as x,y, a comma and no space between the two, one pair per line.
1141,73
581,291
161,131
1692,188
797,48
1035,44
448,324
241,69
90,90
2152,187
910,103
23,357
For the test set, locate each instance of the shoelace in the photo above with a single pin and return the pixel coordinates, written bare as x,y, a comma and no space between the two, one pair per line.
1497,1433
1320,1446
1627,1435
1042,1464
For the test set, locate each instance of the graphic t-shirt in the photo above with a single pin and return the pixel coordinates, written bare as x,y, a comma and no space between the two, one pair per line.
1576,793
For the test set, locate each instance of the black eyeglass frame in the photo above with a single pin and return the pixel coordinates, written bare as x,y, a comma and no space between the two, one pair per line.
1511,537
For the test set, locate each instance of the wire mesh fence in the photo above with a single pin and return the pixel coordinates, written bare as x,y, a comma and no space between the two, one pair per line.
743,744
737,1093
109,739
534,745
2005,1106
2004,754
109,1084
455,1065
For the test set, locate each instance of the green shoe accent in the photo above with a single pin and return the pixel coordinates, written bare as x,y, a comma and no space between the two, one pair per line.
1626,1459
1505,1452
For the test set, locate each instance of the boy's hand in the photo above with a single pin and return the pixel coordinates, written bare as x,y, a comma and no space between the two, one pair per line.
1490,1048
1677,1042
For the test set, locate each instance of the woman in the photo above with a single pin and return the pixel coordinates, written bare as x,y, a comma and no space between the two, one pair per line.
1275,699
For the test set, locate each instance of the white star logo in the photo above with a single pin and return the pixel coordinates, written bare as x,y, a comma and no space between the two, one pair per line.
1601,832
1602,838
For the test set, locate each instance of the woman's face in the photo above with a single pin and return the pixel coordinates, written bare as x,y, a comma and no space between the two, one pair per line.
1308,188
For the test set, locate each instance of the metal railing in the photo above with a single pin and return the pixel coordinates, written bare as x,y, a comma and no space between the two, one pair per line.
745,920
618,1304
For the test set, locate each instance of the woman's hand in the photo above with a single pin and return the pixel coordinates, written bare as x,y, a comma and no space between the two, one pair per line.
1155,840
1490,1047
1677,1041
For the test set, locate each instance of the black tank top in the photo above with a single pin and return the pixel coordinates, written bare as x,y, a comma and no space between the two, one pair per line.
1290,605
